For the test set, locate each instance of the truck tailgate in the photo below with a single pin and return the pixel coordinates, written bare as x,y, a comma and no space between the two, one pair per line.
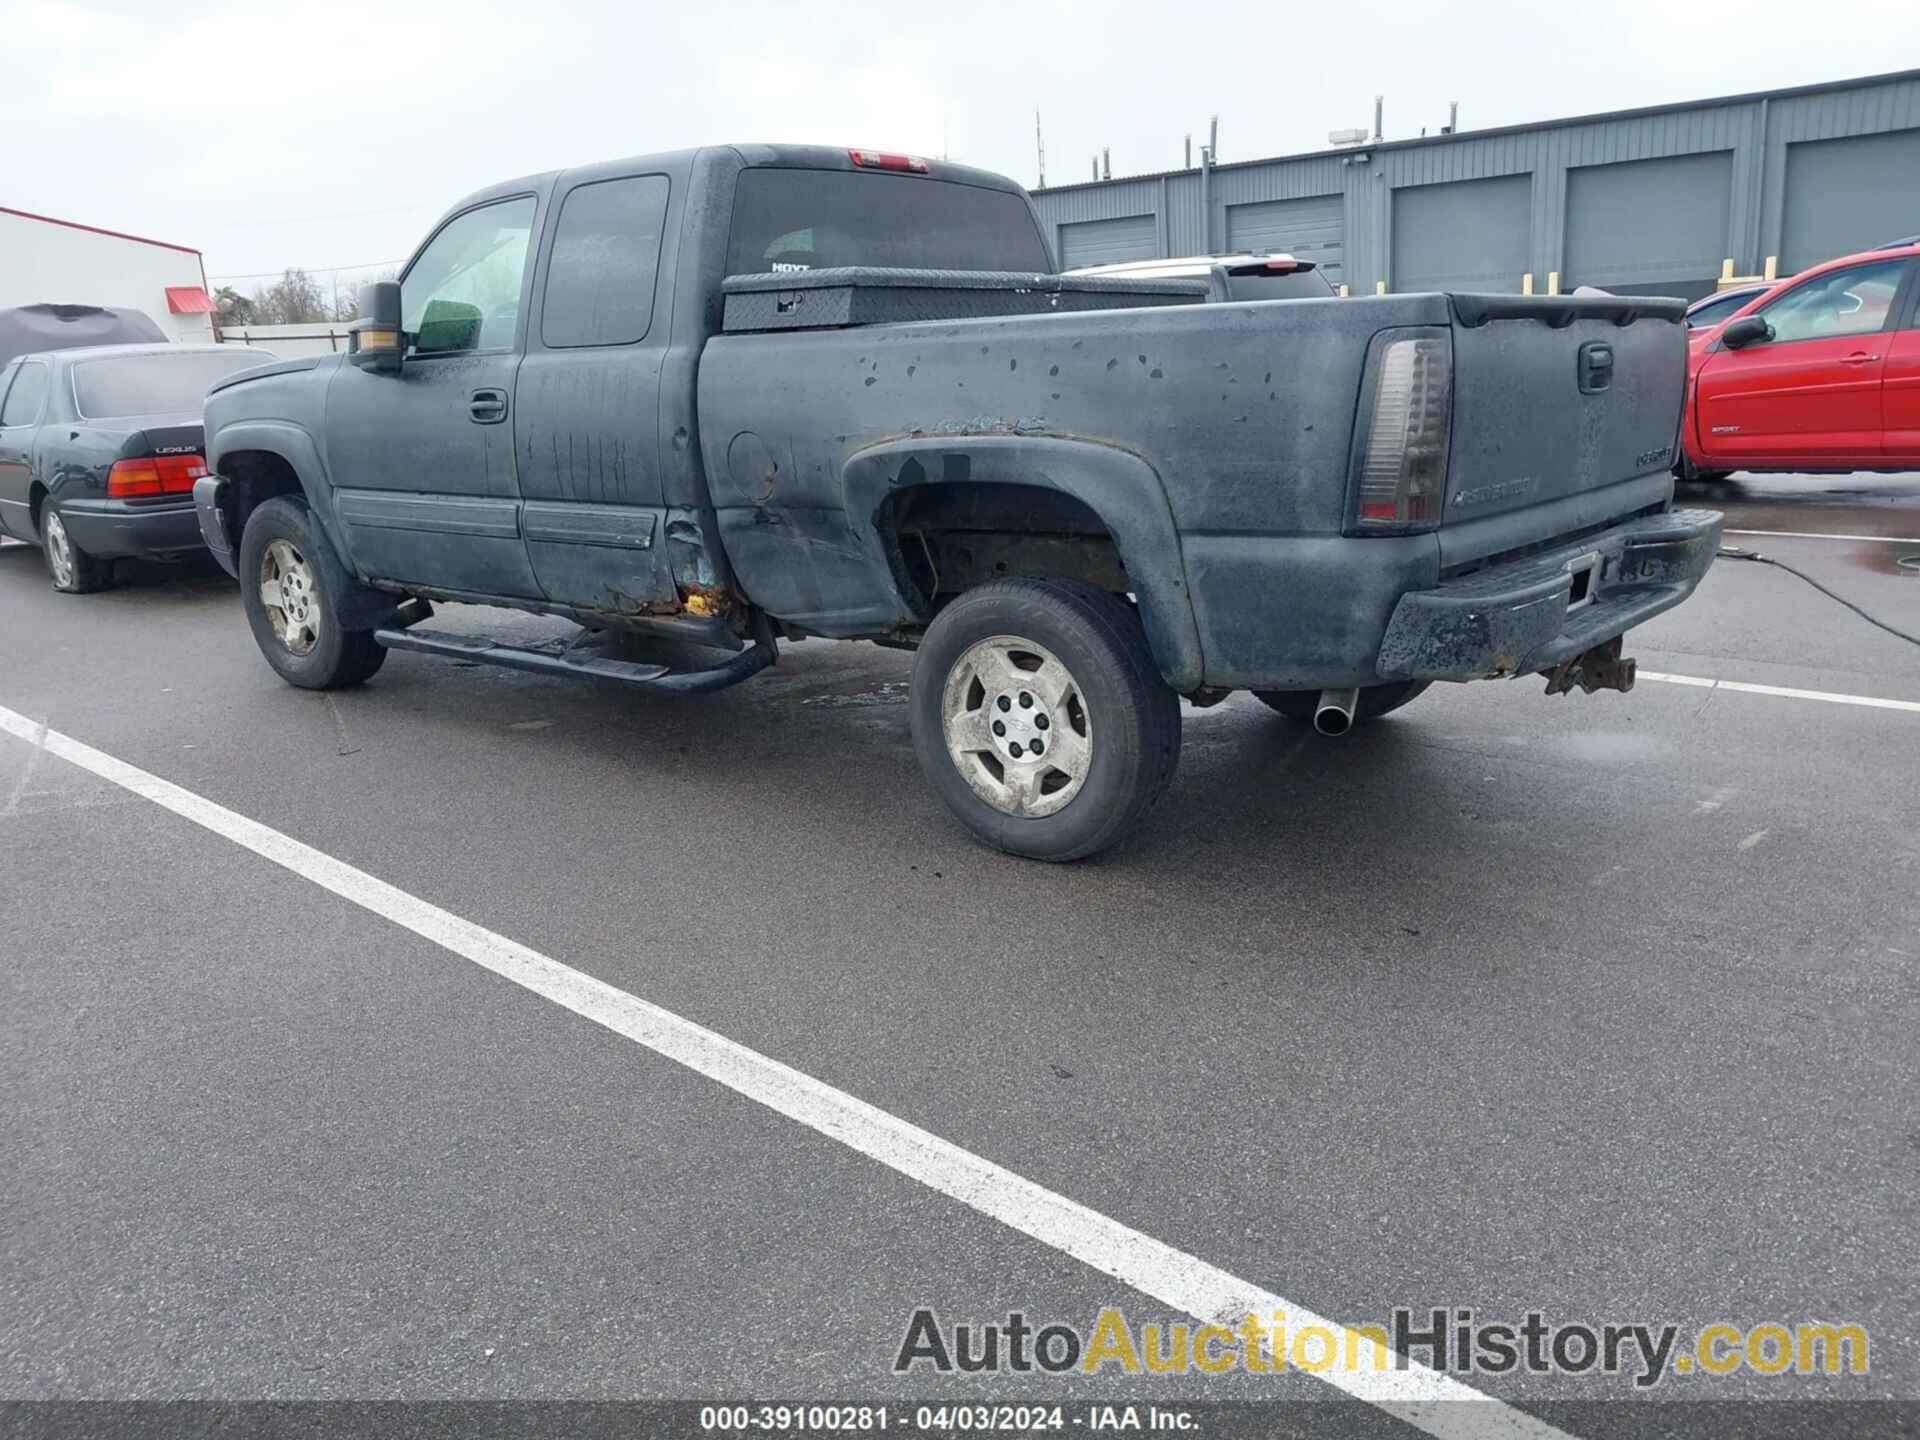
1555,397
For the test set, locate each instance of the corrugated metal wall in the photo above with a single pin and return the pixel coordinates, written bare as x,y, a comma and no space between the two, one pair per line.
1649,199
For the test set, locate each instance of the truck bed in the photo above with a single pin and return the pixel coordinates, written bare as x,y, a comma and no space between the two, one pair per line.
1241,416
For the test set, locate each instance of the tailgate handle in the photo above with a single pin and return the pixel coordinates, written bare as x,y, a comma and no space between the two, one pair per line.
1596,367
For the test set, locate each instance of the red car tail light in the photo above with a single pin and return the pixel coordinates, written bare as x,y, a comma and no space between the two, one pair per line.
154,475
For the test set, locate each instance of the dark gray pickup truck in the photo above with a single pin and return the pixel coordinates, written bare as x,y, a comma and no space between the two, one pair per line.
745,394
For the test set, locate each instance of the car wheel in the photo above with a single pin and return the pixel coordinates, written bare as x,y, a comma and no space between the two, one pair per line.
1375,700
1686,471
1041,719
290,586
74,571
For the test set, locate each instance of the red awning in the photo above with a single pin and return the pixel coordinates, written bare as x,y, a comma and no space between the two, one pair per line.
189,300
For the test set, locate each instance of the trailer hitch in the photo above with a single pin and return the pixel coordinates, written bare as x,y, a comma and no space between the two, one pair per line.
1600,668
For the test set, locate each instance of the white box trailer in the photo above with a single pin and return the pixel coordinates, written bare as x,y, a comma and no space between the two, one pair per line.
62,262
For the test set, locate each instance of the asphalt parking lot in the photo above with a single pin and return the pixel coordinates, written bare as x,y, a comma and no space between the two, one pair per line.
1599,1006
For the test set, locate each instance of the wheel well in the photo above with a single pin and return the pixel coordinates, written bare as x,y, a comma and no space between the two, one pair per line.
947,538
254,477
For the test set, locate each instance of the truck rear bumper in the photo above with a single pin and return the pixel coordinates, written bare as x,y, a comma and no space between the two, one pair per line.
1521,616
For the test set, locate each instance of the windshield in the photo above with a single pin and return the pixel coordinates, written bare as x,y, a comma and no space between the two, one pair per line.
814,219
156,383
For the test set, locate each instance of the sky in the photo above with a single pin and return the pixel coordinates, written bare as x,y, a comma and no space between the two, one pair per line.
270,135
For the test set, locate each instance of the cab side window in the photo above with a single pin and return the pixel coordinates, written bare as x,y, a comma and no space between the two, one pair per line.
24,398
606,258
463,293
1854,301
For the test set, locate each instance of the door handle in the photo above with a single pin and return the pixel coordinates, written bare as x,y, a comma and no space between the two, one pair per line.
1859,358
487,407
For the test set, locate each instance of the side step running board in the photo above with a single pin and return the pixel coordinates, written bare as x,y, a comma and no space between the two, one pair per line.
657,678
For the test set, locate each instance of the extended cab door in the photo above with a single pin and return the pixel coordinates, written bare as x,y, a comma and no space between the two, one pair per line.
422,460
587,403
1811,393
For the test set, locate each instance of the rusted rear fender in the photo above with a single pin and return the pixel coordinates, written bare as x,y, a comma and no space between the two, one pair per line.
1117,485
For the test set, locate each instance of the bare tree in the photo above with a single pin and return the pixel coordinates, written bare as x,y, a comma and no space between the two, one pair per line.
294,299
346,302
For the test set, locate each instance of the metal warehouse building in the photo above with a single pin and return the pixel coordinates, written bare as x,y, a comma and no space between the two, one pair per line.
1655,200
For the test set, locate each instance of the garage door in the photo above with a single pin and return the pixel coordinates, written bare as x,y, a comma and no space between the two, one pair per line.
1844,195
1468,235
1649,226
1314,228
1106,242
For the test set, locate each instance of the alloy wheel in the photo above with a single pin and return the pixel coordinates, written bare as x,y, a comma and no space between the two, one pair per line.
1017,726
291,597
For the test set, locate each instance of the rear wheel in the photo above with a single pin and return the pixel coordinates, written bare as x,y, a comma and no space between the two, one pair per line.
1686,470
290,585
1375,700
1041,719
74,571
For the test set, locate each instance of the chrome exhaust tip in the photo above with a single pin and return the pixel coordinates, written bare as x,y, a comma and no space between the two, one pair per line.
1334,714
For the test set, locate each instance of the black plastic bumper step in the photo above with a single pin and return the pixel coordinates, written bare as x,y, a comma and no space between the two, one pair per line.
583,665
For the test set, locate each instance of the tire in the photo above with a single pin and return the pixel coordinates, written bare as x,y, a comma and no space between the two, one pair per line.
301,637
1375,700
73,570
1080,657
1687,472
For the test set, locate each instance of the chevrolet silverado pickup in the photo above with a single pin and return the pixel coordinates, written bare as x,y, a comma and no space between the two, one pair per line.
741,395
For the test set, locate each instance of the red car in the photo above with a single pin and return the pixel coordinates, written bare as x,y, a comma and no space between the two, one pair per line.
1818,373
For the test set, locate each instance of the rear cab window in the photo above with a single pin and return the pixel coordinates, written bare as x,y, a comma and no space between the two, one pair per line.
155,384
1264,284
819,219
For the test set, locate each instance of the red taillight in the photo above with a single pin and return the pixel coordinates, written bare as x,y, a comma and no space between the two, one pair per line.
887,160
154,475
1283,267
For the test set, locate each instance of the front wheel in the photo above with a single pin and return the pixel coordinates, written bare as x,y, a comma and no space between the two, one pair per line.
1375,700
1687,471
1040,718
73,570
290,586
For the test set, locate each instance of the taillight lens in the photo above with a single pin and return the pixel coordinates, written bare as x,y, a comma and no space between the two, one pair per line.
1403,470
154,475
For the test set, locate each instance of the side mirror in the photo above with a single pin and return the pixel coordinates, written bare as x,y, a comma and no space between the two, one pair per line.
1745,331
375,341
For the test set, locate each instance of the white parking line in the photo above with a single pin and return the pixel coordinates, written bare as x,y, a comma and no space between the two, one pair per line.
1818,535
1419,1396
1705,682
